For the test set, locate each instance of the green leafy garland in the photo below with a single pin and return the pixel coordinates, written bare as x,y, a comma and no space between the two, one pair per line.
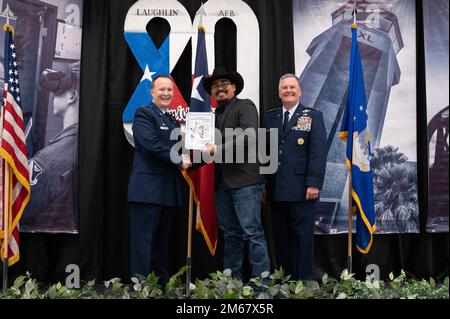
221,285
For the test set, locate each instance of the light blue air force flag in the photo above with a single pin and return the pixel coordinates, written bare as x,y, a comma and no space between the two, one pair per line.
358,154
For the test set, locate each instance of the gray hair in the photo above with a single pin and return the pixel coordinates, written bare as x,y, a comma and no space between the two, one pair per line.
287,76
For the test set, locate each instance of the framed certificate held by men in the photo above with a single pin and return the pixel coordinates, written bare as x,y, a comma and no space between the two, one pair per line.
199,130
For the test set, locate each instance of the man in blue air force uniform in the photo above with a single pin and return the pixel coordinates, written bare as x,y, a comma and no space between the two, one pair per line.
155,183
294,189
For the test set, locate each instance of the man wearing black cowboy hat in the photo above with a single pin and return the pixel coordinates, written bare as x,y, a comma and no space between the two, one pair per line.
238,183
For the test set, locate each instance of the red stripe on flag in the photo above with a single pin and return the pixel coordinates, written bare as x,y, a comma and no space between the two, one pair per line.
201,182
17,117
9,127
20,198
23,170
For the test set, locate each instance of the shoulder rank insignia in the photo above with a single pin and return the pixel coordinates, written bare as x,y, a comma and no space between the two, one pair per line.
308,109
273,109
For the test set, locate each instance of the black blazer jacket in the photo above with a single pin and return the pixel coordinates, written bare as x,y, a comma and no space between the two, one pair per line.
236,159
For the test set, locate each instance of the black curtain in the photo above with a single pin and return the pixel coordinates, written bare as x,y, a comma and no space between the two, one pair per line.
109,76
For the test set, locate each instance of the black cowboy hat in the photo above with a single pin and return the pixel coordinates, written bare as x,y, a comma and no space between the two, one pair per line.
221,72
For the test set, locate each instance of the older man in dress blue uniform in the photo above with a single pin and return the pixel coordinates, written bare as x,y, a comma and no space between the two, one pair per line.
155,183
294,189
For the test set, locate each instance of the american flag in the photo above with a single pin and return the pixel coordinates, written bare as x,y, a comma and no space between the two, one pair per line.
13,154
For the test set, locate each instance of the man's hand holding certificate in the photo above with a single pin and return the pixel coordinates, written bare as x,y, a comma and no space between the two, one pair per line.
199,130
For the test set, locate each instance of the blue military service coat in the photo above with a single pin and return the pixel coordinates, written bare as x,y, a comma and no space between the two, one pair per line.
155,178
302,153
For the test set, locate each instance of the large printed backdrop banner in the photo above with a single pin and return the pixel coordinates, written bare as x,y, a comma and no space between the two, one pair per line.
435,16
386,37
48,43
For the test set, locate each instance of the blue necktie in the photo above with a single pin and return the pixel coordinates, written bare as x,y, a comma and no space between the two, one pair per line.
285,121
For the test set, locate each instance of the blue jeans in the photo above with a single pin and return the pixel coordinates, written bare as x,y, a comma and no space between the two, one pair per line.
239,217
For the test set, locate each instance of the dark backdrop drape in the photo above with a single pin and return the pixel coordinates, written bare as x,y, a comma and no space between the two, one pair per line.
109,77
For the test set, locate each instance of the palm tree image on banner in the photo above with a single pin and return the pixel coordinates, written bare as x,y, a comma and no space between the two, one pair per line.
386,38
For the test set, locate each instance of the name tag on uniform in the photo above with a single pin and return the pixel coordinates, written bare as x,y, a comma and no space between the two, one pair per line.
303,124
164,128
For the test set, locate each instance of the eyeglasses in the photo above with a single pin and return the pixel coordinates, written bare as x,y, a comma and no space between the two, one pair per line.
222,85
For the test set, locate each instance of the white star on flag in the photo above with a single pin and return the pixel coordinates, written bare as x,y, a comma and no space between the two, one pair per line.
195,93
147,74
